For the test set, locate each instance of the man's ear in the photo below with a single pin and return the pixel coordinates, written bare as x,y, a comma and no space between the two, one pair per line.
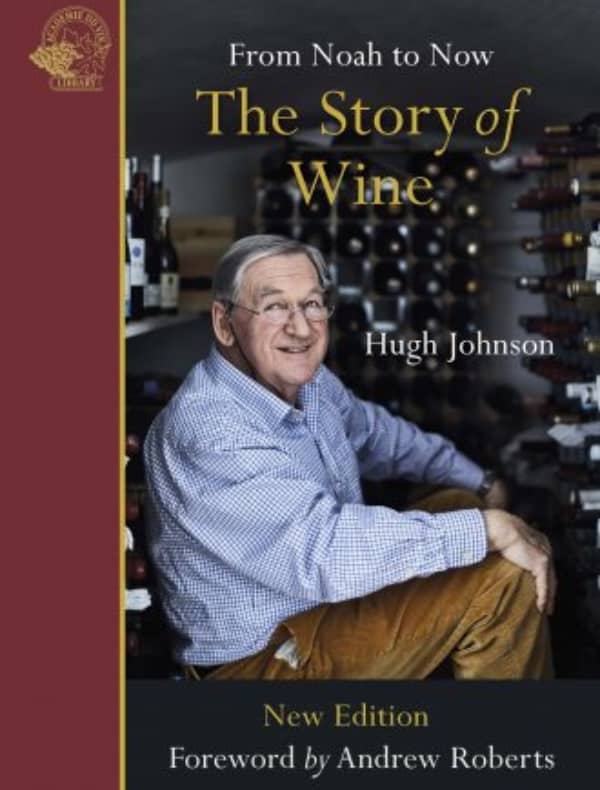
221,324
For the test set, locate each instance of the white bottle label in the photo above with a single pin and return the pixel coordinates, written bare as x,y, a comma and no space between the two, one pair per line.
151,295
137,254
127,290
169,291
592,271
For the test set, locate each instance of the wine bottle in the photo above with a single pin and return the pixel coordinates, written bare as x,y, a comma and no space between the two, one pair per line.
466,241
425,164
350,317
144,230
546,198
588,126
277,203
136,572
583,395
427,278
577,288
466,207
555,242
577,147
551,284
133,445
551,328
352,240
550,369
127,285
128,210
585,536
132,510
317,235
318,206
389,278
428,240
463,278
152,304
463,167
388,209
390,241
350,276
167,256
384,314
425,315
436,209
140,230
347,208
591,345
461,318
156,186
531,161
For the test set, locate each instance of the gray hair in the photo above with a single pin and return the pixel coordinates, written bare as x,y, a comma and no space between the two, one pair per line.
230,271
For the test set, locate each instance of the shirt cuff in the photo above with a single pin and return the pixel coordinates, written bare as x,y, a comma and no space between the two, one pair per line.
468,475
464,537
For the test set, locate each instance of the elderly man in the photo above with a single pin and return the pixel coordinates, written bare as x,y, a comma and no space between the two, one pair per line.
270,564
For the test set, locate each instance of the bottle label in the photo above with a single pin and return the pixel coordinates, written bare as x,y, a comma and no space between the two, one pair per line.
592,271
169,291
590,499
151,295
127,290
137,255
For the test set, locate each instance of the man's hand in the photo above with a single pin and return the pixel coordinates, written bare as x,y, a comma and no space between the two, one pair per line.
497,496
525,547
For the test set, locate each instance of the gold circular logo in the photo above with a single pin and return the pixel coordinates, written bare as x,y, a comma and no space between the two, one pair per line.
74,47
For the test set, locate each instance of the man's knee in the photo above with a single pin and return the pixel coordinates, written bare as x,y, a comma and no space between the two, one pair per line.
513,584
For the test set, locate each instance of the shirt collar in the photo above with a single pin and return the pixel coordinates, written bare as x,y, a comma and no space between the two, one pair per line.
259,399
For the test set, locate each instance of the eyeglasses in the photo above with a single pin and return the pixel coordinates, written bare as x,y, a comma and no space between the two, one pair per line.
279,313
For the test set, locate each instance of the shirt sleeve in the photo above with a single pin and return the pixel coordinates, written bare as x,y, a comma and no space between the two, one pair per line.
388,446
251,507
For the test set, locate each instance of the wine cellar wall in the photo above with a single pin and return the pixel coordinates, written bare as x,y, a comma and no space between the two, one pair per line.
401,272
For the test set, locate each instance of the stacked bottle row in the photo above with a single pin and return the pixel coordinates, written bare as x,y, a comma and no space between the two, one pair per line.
151,263
399,269
146,638
568,200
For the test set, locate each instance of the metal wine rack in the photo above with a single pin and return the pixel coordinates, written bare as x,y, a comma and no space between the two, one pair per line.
576,468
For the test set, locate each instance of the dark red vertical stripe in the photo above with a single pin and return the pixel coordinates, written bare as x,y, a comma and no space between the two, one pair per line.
60,416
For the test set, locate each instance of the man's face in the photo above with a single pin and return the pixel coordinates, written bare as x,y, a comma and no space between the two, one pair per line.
282,358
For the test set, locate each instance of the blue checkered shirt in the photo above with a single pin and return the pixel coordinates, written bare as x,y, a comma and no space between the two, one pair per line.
256,513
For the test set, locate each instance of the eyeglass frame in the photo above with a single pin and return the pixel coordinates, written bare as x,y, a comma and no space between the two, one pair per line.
330,308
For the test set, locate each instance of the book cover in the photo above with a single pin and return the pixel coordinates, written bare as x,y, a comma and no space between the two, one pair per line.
396,140
324,123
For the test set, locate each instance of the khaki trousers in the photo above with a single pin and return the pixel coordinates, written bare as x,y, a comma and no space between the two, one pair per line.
482,617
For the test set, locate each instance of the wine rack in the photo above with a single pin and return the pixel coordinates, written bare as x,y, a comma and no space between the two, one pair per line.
147,649
397,269
567,197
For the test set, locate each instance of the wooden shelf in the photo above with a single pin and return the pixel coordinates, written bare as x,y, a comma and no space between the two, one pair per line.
153,324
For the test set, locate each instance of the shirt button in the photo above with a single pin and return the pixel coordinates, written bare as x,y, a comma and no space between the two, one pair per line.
467,556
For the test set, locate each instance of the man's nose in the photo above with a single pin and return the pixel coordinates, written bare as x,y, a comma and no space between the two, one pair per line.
298,324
